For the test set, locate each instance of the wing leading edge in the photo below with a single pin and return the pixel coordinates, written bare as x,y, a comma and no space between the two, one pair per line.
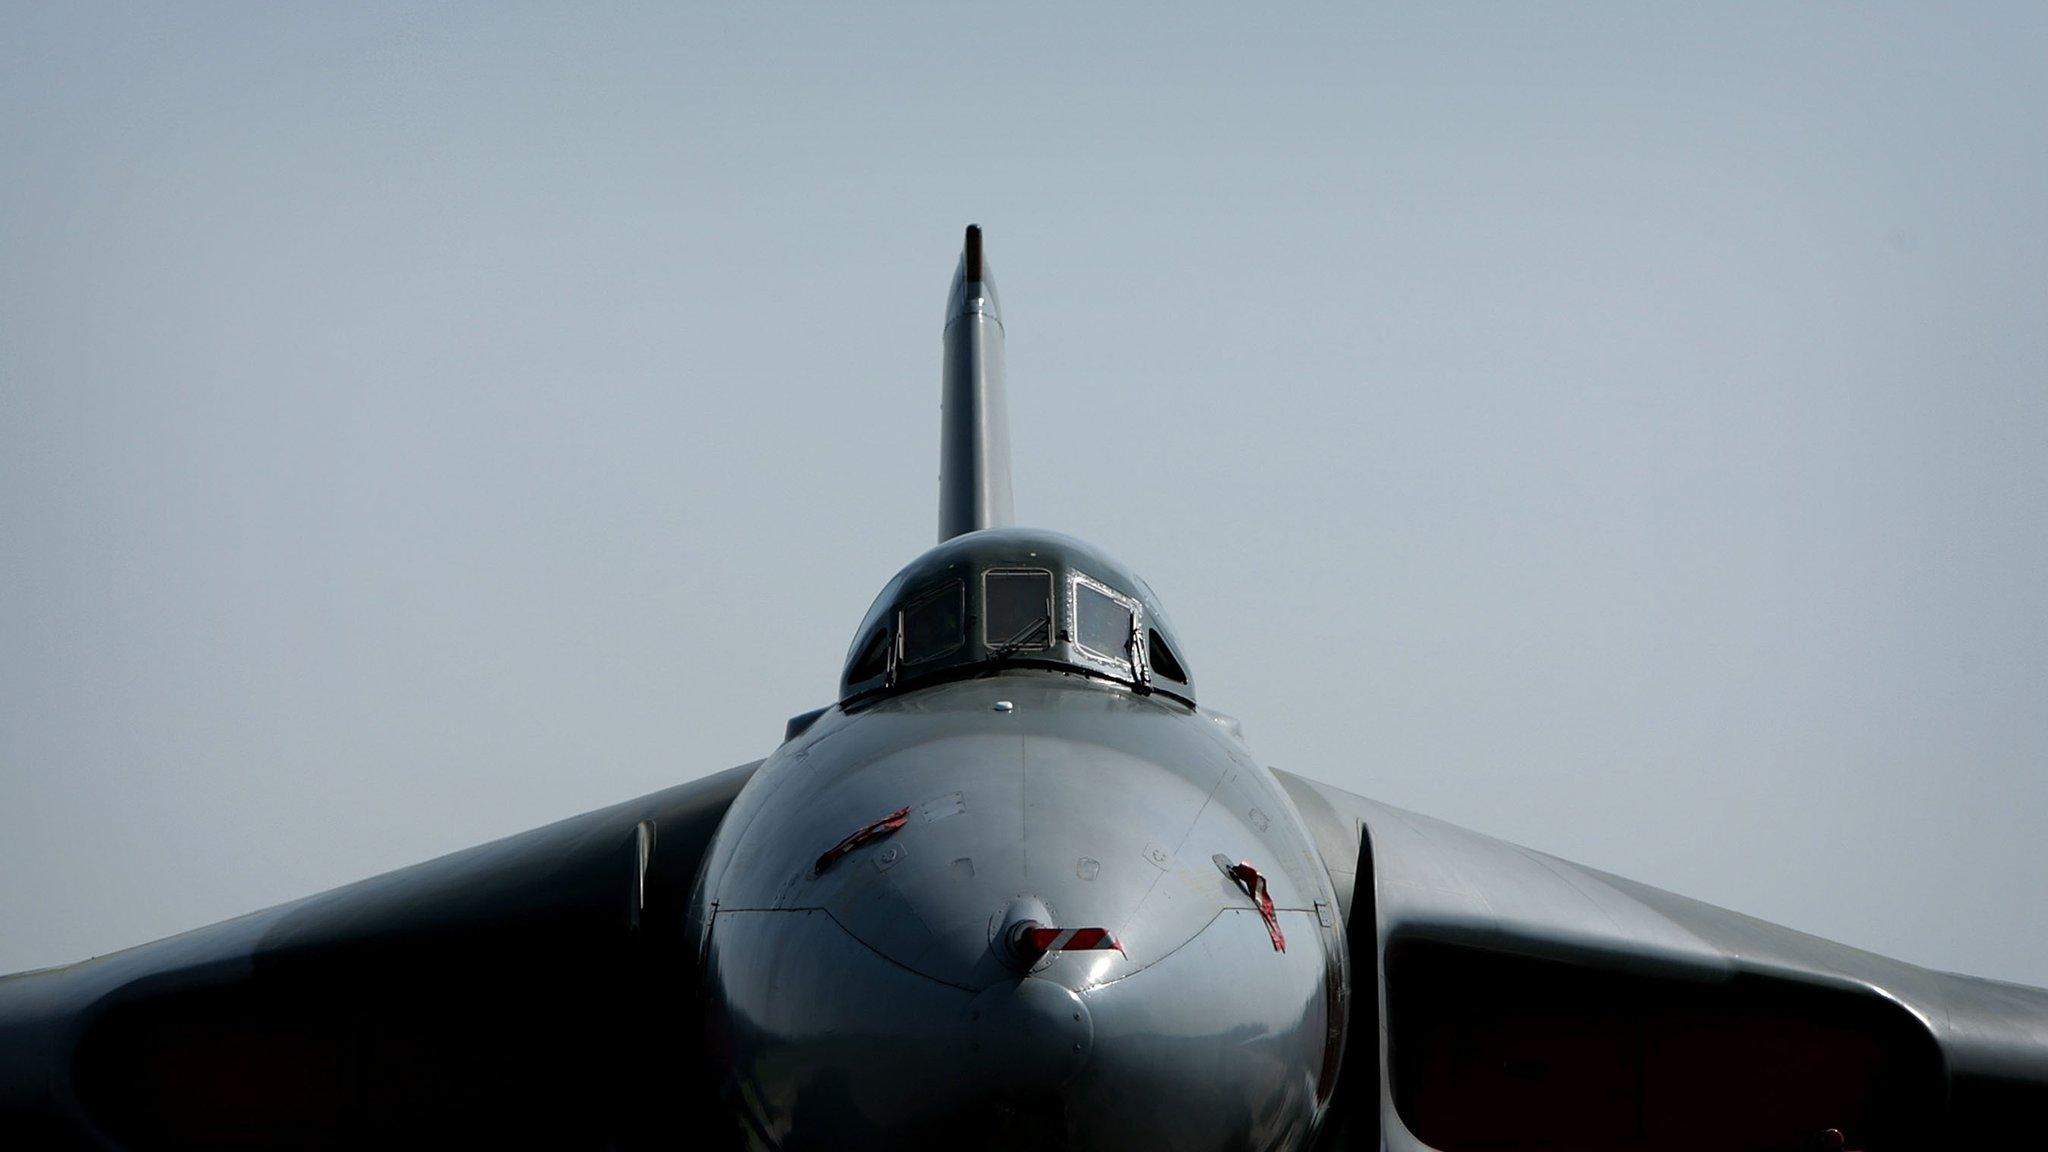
1530,1003
526,992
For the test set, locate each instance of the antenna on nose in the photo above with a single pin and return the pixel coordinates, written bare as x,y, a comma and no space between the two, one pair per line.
974,419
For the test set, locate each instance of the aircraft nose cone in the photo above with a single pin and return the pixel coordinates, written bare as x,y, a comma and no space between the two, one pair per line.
1028,1038
1017,935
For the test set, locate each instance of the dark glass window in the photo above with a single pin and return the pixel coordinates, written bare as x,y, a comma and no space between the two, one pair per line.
1162,659
1102,623
873,658
1017,609
935,624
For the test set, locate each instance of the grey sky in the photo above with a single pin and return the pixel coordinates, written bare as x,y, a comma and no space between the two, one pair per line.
1623,433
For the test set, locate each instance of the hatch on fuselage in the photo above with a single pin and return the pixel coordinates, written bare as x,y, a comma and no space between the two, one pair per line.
1012,598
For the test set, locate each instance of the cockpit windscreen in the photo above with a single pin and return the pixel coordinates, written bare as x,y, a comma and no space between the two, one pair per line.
1017,609
1103,622
935,624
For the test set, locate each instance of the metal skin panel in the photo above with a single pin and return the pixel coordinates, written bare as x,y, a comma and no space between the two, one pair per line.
1107,808
1176,1057
1439,882
1215,1047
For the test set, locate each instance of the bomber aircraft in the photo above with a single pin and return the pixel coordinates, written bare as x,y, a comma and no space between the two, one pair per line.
1017,887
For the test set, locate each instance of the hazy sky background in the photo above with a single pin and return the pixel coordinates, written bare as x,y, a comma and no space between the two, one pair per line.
1623,433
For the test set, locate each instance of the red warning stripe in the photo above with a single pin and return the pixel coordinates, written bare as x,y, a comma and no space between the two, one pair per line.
1254,886
868,834
1036,940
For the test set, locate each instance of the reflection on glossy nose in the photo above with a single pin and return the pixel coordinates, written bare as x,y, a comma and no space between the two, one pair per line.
1028,1038
1214,1049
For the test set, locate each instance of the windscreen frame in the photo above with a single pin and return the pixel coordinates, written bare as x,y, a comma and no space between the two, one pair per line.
1124,664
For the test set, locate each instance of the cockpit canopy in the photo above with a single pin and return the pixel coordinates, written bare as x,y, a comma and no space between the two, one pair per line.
1015,597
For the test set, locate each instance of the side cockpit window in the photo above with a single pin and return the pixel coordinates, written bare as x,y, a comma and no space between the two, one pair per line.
935,624
1104,624
1017,609
872,659
1163,661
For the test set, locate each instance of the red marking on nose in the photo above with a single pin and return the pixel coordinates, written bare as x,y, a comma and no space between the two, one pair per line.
865,835
1254,886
